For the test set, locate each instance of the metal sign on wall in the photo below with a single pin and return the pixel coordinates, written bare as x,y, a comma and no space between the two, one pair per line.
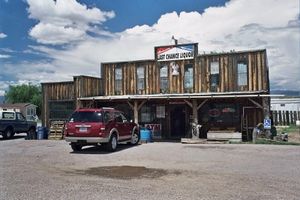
176,52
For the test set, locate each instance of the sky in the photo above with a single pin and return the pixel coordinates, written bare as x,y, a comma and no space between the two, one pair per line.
48,40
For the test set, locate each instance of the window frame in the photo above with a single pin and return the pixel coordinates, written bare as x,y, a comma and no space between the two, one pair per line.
186,67
118,80
240,81
214,76
164,78
140,80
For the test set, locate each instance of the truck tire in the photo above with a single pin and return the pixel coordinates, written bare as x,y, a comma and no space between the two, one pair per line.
31,134
112,143
135,138
76,147
8,133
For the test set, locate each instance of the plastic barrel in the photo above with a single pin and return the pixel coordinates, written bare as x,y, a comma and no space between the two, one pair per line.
145,135
42,133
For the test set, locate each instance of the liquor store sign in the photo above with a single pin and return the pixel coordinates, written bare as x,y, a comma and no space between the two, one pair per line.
176,52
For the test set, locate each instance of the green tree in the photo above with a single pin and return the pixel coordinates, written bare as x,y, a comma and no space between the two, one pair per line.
25,94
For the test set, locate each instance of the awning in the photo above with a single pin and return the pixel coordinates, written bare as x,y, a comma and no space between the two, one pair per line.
182,96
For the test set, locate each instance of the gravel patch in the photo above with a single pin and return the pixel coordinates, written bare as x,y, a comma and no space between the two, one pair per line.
48,169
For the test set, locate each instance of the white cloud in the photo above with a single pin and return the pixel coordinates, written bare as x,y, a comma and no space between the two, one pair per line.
2,35
62,21
3,56
239,25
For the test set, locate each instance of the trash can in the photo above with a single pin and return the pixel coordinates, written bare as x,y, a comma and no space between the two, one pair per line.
42,133
145,135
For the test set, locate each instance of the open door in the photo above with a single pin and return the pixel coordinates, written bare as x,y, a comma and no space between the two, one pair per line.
178,121
250,118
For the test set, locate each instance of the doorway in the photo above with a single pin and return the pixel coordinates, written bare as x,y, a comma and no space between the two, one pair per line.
178,121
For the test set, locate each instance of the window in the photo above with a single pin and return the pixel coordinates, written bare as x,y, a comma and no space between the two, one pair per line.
147,114
188,78
60,110
118,80
20,117
140,79
8,115
164,84
242,74
120,117
107,117
86,117
214,76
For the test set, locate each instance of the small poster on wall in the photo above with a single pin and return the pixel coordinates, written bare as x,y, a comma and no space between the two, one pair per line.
160,112
155,129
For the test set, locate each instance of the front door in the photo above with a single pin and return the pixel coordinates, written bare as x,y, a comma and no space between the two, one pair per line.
177,121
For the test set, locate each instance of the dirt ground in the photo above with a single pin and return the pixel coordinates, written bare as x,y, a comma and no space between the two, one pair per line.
45,169
293,133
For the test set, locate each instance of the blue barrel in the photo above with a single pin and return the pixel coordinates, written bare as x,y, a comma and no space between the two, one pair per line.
145,135
42,133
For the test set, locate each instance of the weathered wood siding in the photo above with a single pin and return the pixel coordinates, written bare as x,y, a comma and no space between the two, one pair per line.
62,91
257,74
68,92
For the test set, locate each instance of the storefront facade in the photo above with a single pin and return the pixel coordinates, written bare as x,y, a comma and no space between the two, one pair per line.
220,91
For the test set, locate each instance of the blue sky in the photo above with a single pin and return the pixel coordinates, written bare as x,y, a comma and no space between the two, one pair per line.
43,41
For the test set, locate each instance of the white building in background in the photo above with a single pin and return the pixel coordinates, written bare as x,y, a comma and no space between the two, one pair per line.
285,104
27,109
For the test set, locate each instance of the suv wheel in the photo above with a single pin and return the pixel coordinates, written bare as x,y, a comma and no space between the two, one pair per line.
112,144
76,147
8,133
135,138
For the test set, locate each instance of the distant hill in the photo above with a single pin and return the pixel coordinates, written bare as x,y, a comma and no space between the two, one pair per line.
292,93
2,99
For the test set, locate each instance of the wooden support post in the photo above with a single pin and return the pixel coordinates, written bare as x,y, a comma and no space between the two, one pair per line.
201,104
257,104
136,107
266,106
136,112
195,111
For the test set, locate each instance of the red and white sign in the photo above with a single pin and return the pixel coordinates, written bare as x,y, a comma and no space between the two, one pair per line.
178,52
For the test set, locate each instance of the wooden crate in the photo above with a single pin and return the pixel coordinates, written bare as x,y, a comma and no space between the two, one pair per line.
56,131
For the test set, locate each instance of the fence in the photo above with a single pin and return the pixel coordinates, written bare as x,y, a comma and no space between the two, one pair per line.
285,118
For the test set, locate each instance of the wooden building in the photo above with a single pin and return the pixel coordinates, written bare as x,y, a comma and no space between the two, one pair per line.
220,91
60,98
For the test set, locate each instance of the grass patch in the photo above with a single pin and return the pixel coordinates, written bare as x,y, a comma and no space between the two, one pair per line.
288,129
266,141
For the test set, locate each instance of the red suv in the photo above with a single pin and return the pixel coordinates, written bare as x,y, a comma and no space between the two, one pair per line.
106,126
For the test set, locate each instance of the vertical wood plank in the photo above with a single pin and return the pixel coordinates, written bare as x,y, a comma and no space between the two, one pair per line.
259,73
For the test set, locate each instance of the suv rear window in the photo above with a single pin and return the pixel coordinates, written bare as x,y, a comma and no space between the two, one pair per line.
86,117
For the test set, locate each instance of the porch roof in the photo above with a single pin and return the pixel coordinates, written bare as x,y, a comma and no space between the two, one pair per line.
182,96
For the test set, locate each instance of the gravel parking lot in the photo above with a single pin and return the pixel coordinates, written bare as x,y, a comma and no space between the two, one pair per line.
47,169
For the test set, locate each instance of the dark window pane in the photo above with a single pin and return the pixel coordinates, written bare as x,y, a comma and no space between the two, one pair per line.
118,80
164,84
61,110
141,78
86,117
141,84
